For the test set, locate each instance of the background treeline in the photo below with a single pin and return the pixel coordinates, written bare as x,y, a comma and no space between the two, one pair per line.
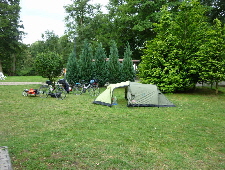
95,64
142,24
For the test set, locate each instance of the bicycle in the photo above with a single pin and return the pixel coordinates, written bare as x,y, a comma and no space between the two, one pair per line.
91,87
56,91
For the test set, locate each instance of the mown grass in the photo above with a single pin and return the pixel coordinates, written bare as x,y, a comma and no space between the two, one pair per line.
76,134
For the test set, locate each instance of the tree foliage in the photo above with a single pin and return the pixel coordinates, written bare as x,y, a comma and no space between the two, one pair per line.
126,21
80,21
170,60
133,22
49,65
50,42
73,70
211,55
216,9
114,66
86,62
127,71
9,34
88,66
100,66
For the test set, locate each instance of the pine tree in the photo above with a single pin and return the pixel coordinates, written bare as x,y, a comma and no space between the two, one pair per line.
72,73
128,73
100,67
86,62
114,66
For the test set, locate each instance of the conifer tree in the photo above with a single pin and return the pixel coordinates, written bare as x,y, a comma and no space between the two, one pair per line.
128,73
86,62
72,73
100,67
114,66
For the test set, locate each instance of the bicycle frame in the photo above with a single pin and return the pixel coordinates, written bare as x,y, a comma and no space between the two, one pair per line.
80,88
57,91
85,87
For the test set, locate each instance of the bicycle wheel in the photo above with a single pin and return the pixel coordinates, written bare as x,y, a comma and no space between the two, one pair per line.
77,90
96,91
91,91
44,91
60,93
24,93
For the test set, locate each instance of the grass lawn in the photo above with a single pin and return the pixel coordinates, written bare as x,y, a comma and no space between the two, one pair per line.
24,79
76,134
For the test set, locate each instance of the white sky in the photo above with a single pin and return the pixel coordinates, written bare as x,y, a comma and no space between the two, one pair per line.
39,16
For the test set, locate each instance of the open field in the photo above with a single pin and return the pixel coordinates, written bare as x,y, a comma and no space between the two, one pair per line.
76,134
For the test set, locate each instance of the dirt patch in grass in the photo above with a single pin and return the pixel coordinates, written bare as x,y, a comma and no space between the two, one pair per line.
19,83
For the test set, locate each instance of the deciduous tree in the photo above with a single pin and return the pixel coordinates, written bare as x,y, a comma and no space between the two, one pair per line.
49,65
9,34
79,21
211,56
170,58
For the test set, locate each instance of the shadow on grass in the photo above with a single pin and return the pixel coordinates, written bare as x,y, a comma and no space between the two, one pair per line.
204,90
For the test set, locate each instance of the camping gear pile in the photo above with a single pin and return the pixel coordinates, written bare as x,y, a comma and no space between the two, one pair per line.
137,95
35,92
31,92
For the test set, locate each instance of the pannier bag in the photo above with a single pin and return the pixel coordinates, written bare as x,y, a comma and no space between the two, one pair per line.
48,82
62,81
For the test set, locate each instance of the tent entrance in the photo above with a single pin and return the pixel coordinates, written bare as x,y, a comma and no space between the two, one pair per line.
119,94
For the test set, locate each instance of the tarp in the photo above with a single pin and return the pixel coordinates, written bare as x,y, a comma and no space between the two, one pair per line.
137,94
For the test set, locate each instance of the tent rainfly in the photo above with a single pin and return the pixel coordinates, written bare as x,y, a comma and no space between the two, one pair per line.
137,95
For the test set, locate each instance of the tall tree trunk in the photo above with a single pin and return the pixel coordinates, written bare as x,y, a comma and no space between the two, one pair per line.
13,64
217,88
1,67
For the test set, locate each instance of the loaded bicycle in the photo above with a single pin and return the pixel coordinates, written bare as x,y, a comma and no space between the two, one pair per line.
91,88
56,90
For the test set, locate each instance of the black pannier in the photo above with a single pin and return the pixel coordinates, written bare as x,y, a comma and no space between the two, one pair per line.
62,81
48,82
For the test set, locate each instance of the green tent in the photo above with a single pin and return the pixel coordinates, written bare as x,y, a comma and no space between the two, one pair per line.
137,95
